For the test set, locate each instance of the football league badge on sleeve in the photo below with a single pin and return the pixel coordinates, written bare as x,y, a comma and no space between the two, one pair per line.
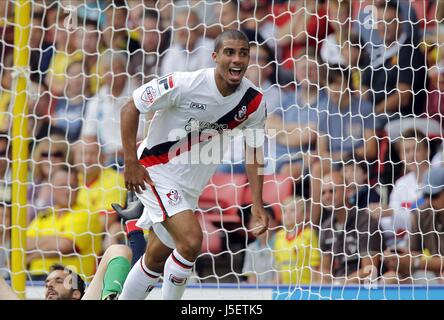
173,197
149,95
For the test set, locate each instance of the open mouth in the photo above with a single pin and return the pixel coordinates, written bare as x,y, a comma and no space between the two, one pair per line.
235,72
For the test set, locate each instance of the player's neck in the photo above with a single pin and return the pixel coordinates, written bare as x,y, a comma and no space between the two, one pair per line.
224,88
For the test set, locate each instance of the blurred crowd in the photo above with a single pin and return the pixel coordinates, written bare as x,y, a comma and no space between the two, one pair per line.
355,118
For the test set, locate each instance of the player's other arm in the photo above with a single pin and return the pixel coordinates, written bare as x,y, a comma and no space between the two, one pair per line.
6,293
135,174
254,167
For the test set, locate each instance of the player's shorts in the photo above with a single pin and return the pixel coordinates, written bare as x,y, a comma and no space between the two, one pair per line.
162,201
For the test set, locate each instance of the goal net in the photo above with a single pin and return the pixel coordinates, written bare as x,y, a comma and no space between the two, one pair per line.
353,174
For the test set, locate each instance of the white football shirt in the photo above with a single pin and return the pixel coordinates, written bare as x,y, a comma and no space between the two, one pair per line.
184,138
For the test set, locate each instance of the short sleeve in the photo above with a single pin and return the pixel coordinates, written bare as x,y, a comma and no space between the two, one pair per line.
157,94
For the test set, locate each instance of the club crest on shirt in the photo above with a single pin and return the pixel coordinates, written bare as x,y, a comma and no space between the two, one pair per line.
173,197
149,95
241,114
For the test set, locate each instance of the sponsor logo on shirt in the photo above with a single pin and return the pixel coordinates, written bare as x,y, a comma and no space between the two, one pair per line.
194,124
197,105
173,197
241,114
149,95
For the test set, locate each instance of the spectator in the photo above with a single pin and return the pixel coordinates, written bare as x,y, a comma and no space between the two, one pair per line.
39,102
116,30
396,81
65,52
88,38
360,194
6,26
346,123
296,250
296,123
6,91
63,233
5,238
259,264
40,51
413,149
70,110
103,113
48,156
365,24
356,59
435,73
261,71
92,10
5,168
227,15
153,38
5,202
349,238
346,129
255,17
339,19
208,13
303,24
422,259
99,187
191,50
435,97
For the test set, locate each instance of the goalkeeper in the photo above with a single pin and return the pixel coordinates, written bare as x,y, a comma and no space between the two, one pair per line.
200,104
64,284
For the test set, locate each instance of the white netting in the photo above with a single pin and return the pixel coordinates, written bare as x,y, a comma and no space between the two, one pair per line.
353,91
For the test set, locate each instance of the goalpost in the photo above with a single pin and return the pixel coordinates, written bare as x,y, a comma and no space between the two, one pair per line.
20,147
76,62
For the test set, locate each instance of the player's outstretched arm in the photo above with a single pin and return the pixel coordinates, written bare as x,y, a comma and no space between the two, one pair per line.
135,174
254,168
6,292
